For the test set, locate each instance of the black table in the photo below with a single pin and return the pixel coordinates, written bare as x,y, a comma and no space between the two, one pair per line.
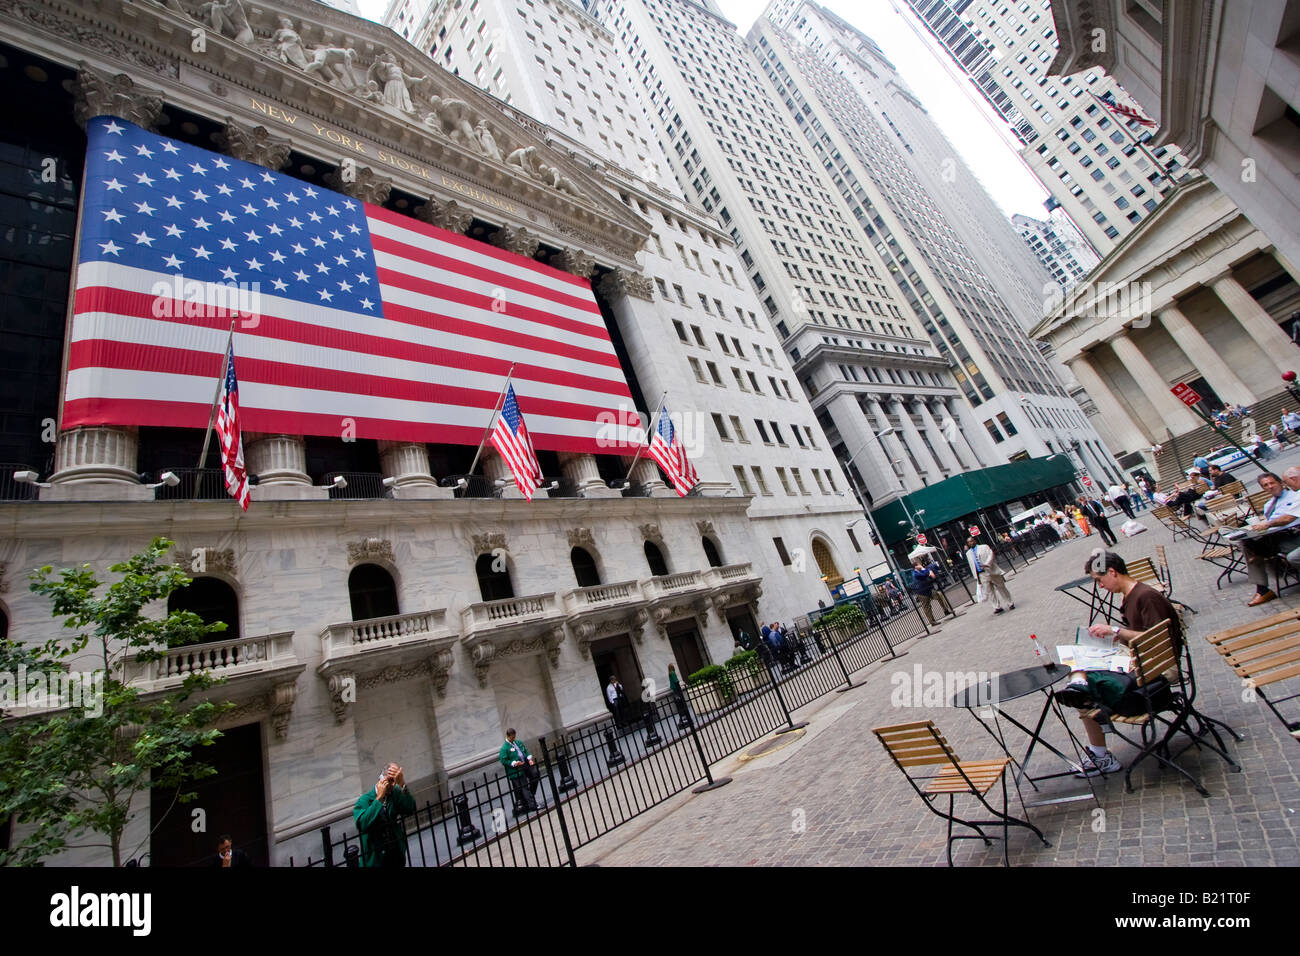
996,691
1238,539
1099,602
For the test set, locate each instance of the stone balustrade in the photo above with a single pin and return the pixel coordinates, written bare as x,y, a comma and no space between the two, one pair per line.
230,659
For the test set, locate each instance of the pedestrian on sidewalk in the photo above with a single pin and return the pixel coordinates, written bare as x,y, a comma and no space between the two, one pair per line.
1096,513
984,565
924,583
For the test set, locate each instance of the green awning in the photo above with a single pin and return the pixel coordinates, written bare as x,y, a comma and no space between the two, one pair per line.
966,493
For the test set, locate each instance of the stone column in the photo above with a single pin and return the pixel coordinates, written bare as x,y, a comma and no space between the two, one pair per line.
914,440
976,435
581,471
870,456
1126,429
276,459
646,474
1175,417
496,469
445,215
894,446
407,463
960,446
363,184
1259,325
94,461
946,457
1206,360
519,241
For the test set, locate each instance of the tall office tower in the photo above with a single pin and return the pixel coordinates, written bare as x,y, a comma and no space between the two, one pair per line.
1065,257
748,424
1091,166
847,98
874,378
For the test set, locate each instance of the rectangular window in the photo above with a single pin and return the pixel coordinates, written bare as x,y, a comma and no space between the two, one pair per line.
854,541
776,432
785,482
758,477
681,331
780,550
699,336
798,480
738,430
741,480
1005,422
722,429
762,431
994,433
699,372
713,373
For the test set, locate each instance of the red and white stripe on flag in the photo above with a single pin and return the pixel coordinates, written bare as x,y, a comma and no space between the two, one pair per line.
230,436
511,439
1130,113
666,448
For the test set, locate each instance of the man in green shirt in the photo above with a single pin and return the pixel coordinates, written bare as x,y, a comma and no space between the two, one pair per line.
378,816
522,770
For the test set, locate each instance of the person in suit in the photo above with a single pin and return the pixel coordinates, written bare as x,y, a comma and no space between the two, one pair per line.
616,700
1095,512
984,565
522,771
227,856
378,817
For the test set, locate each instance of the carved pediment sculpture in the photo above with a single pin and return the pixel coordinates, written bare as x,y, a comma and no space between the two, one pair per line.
371,550
651,532
487,543
227,18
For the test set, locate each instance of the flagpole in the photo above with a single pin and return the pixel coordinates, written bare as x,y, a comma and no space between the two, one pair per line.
1123,124
654,421
216,399
495,408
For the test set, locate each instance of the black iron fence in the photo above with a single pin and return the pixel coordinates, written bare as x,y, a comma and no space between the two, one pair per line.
357,485
594,780
11,490
202,484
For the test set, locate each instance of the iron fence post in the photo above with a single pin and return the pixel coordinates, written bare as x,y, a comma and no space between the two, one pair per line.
780,699
325,842
844,670
556,795
704,761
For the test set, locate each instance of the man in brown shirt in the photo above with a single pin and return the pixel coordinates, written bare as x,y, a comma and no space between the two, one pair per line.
1142,608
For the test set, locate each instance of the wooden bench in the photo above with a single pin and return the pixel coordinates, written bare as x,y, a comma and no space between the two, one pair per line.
1264,653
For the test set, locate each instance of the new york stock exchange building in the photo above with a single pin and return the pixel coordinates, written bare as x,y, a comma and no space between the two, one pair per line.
386,597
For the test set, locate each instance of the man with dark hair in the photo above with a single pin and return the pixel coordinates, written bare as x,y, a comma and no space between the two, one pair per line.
227,857
522,770
1281,512
1142,608
378,816
1095,512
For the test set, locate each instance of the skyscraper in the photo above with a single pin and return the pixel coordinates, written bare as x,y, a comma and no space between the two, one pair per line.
861,120
1091,166
1066,258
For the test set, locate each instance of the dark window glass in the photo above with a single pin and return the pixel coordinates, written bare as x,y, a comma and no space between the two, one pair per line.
584,568
372,591
493,578
212,600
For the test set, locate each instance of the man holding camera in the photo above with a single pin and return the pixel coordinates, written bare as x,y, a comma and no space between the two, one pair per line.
378,816
522,770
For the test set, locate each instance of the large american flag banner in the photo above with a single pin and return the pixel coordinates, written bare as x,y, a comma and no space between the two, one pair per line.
229,435
666,448
511,439
352,317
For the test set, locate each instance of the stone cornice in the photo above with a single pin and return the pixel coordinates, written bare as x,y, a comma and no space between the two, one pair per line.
1189,55
31,519
155,42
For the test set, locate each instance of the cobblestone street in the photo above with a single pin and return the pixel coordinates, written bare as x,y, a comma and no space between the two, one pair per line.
833,797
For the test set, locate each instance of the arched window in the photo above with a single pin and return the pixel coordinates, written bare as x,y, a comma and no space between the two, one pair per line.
493,584
584,568
826,562
711,552
211,599
372,591
655,558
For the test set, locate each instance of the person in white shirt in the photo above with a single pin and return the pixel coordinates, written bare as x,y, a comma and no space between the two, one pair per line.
984,565
1119,498
1281,512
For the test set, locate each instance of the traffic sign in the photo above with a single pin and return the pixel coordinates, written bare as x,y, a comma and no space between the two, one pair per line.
974,531
1087,482
920,539
1184,393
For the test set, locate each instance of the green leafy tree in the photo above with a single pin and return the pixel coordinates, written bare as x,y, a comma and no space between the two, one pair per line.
74,772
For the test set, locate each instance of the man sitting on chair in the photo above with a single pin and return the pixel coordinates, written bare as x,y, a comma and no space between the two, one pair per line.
1143,608
1282,511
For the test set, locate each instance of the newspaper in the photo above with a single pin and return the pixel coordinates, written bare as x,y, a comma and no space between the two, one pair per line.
1089,653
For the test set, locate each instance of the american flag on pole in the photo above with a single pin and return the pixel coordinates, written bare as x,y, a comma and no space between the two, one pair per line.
511,439
1128,112
666,448
350,316
228,433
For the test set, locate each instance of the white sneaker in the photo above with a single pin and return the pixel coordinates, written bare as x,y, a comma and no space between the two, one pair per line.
1094,766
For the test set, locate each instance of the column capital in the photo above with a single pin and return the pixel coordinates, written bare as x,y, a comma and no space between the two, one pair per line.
620,282
363,184
519,241
253,144
448,215
101,94
576,261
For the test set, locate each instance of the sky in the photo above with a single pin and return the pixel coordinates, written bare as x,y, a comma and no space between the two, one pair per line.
954,103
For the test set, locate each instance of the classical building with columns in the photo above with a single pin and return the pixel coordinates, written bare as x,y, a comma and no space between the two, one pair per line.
1223,81
417,611
1195,295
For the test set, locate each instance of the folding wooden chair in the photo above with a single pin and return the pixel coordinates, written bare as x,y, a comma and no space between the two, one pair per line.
1225,512
1258,501
1234,489
1163,684
1263,653
1162,568
1221,555
921,744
